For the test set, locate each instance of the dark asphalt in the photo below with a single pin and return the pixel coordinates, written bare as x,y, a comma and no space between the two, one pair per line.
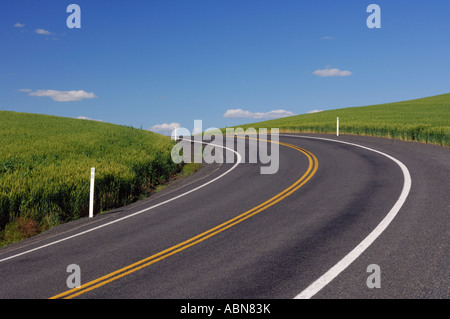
274,254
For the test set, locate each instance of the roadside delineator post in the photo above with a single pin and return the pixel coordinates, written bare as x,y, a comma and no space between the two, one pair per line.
174,135
337,126
91,197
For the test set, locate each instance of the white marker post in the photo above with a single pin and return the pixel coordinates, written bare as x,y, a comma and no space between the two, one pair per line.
91,197
337,126
175,135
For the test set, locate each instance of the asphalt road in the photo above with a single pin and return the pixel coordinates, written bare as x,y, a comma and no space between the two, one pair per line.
220,242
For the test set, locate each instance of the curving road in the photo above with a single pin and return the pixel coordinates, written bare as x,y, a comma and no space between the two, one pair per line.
230,232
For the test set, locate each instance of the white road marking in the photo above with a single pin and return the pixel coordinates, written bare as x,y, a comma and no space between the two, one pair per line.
334,271
239,159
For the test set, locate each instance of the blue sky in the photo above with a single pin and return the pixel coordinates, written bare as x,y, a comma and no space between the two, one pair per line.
226,62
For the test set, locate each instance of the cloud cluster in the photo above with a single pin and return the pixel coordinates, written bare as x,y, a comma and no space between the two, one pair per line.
240,113
314,111
331,72
88,119
42,31
164,128
62,96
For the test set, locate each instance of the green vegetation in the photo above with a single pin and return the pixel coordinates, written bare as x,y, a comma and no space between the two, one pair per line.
424,120
45,166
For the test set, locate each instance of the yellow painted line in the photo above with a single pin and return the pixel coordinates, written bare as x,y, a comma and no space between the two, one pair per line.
312,169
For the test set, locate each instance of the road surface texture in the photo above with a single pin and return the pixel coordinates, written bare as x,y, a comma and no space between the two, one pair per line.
249,235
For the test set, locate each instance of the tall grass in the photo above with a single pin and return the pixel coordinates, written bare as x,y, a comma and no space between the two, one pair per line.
424,120
45,166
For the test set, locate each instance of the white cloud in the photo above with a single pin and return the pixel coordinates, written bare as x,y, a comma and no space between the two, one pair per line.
326,38
25,90
240,113
88,118
314,111
42,31
164,128
19,25
331,72
62,96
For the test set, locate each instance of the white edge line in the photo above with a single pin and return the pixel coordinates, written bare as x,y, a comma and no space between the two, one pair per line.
334,271
239,158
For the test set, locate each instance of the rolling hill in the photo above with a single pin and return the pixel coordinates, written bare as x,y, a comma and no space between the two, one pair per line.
424,120
45,166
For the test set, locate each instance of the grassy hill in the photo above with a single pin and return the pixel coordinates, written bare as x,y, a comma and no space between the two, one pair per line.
45,166
424,120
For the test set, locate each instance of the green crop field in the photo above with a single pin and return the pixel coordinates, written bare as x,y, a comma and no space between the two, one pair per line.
424,120
45,166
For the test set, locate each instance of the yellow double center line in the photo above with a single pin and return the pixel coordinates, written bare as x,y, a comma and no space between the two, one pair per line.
94,284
